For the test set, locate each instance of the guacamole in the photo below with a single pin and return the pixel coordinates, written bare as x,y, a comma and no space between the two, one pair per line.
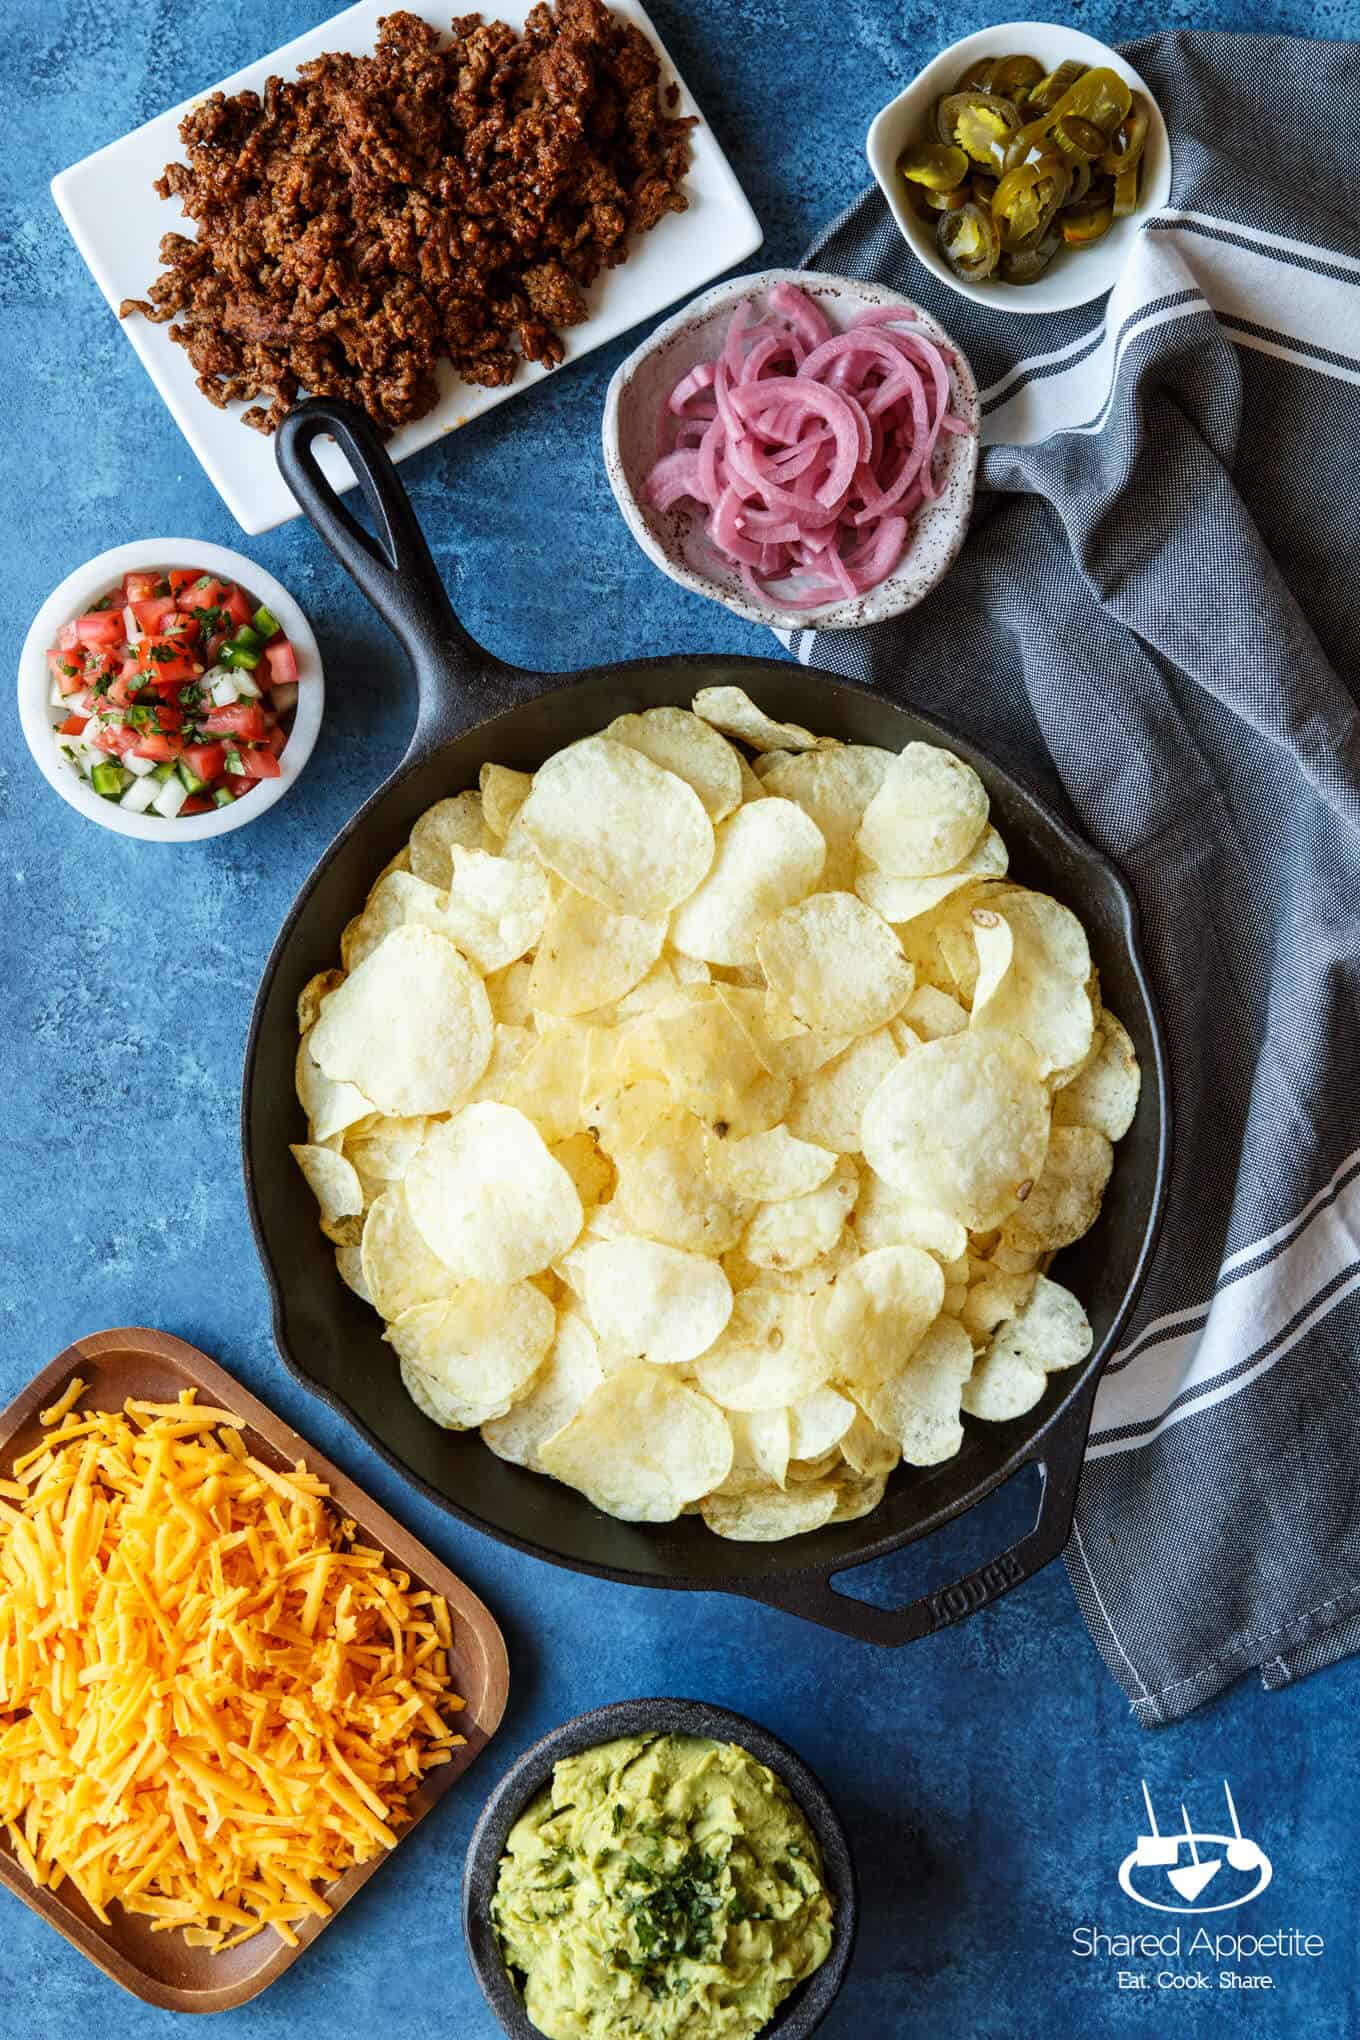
662,1886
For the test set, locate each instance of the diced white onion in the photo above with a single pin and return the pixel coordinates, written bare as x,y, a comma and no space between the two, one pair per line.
284,696
224,690
141,795
171,797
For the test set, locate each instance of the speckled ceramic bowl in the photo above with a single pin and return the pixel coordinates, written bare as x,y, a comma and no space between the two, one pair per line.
675,540
804,2009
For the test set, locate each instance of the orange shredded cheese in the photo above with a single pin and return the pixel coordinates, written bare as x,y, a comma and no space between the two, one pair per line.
213,1701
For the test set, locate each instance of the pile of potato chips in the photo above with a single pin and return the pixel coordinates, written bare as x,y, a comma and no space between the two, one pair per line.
701,1119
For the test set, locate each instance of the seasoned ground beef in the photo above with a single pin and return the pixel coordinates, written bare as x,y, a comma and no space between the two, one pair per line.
383,212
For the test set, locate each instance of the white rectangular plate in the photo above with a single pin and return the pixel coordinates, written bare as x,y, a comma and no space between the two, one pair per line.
117,222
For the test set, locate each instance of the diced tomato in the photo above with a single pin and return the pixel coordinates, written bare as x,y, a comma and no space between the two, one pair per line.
237,606
213,646
196,804
100,665
123,688
203,593
178,625
160,746
153,612
276,739
100,627
260,762
138,588
241,787
72,726
207,761
165,660
66,671
282,662
66,636
116,737
182,577
168,716
237,719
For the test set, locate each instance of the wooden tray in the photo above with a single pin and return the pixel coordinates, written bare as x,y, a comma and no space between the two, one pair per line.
159,1968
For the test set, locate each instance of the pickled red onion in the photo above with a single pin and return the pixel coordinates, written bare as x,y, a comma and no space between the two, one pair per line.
810,450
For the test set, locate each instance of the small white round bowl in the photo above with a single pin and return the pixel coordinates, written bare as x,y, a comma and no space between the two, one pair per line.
675,540
1072,278
75,594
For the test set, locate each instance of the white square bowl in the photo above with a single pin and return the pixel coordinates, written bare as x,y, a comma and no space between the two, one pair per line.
117,221
1072,278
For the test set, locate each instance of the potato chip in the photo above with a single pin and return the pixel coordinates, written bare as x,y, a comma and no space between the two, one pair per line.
449,824
834,963
313,992
751,788
828,1106
794,1053
884,1217
707,1062
793,1231
330,1107
766,1515
508,994
760,1448
818,1421
926,816
411,1027
731,710
503,794
1051,1332
665,1192
588,1165
767,1357
350,1268
931,1014
655,1302
874,1316
382,1150
642,1446
834,787
903,900
769,1166
869,1451
1065,1201
1104,1094
336,1188
919,1404
1043,994
509,1048
767,856
857,1494
618,827
962,1125
494,909
568,1377
991,1299
548,1083
468,1357
682,743
489,1199
995,947
398,900
399,1269
590,956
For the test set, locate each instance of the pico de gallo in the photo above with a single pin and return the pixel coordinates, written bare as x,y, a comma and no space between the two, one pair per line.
177,691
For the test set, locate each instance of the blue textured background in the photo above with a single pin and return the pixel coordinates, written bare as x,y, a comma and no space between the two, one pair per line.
989,1776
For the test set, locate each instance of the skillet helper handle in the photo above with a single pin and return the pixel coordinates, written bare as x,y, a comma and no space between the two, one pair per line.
1058,1455
393,568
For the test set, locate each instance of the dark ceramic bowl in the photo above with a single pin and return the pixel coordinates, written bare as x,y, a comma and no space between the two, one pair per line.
804,2009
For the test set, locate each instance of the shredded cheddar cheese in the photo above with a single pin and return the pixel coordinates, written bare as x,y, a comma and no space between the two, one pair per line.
213,1701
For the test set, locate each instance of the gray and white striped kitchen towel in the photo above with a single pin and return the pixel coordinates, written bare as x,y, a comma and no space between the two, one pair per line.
1155,618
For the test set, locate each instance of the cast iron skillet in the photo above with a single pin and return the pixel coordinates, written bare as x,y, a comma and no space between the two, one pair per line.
473,707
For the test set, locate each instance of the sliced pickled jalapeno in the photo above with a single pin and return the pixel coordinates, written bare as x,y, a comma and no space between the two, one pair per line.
1084,224
935,166
978,124
1045,93
1027,198
970,242
1015,77
1019,164
1124,149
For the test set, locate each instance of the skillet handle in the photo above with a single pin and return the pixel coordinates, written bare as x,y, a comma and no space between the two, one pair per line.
1058,1455
393,569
